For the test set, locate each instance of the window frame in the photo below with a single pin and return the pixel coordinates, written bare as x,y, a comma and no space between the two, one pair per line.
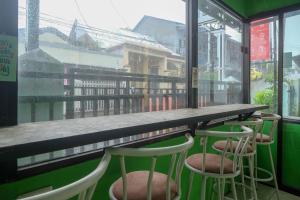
279,13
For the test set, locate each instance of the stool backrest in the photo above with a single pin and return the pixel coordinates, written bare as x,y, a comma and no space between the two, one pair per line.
255,124
243,138
177,151
273,118
83,189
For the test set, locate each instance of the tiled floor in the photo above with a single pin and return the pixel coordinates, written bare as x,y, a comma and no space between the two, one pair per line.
268,193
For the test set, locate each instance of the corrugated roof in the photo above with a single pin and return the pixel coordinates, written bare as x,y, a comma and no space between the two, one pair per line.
110,39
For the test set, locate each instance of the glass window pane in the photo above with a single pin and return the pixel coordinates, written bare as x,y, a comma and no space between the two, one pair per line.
291,100
291,64
219,56
264,62
99,58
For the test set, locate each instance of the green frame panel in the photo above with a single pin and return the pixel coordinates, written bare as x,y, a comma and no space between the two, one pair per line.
250,8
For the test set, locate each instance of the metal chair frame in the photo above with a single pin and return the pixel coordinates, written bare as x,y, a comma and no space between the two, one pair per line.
274,118
154,153
83,188
243,137
256,125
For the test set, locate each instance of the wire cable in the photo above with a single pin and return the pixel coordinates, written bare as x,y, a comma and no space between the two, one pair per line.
80,13
118,13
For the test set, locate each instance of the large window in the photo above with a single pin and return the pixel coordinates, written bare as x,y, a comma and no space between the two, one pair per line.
219,56
291,64
264,62
86,58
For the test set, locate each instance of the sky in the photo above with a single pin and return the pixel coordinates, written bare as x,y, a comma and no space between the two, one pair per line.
291,35
110,14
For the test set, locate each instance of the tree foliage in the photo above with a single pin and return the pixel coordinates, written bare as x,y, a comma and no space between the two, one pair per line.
265,97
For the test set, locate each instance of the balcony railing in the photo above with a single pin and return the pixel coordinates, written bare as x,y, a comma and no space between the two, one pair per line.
99,92
92,92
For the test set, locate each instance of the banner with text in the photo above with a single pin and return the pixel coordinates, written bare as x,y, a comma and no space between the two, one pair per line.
8,58
260,42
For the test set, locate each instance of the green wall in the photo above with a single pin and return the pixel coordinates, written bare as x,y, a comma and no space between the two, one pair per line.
238,6
291,155
60,177
249,8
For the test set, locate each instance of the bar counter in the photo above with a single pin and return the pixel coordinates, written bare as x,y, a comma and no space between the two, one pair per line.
40,137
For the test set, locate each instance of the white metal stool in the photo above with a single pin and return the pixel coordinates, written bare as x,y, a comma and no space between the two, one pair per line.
266,140
256,125
83,188
218,166
150,185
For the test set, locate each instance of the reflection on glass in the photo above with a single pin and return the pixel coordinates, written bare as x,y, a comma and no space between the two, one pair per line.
219,56
291,64
264,62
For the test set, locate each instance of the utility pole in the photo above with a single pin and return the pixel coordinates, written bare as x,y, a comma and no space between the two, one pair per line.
32,24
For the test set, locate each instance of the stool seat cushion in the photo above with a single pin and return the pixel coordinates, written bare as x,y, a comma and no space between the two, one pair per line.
220,145
137,186
212,163
262,138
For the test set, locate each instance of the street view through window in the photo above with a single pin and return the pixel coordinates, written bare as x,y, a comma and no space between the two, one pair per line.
291,65
264,62
99,57
87,58
219,56
113,57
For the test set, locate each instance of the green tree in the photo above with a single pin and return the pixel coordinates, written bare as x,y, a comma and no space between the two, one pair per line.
265,97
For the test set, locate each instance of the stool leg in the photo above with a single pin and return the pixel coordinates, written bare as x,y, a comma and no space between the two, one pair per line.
273,171
203,188
251,170
243,182
190,185
233,189
255,168
223,188
219,189
213,189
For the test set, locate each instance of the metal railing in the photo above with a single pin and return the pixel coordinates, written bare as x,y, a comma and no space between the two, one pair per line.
89,92
94,92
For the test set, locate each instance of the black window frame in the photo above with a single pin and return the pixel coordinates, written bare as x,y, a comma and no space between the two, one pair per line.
279,13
